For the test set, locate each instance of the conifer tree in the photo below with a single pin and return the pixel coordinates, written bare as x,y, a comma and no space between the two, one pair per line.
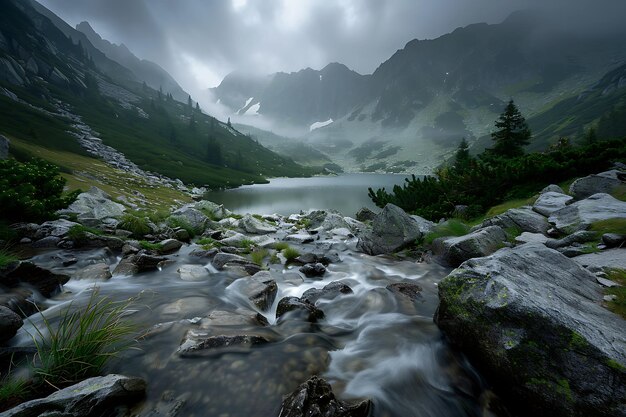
462,156
512,133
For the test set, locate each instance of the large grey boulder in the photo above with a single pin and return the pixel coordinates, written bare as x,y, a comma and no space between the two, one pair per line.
315,398
212,210
260,289
250,224
607,259
604,182
581,214
523,219
191,216
549,202
56,228
29,274
392,230
201,343
10,323
4,147
532,321
99,396
453,251
95,204
96,272
552,188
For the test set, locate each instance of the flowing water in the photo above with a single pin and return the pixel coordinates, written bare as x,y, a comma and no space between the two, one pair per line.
346,193
373,343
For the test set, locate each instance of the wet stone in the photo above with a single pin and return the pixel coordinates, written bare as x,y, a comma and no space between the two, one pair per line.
412,291
200,344
313,270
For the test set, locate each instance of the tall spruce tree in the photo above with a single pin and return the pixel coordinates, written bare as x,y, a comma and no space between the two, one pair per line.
512,133
462,156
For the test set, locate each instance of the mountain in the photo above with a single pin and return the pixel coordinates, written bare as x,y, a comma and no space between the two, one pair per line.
419,103
56,94
155,76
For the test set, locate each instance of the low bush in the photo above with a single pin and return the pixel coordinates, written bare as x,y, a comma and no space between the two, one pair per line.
258,256
290,253
137,225
452,227
180,222
150,246
6,258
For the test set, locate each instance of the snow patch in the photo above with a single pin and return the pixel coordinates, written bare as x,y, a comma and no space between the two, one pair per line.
317,125
253,110
320,77
245,105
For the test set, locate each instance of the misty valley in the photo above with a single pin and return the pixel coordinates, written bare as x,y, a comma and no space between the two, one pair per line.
196,221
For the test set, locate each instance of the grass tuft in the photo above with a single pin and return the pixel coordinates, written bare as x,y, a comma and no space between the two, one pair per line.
179,221
617,306
84,340
290,253
150,245
609,226
138,226
452,227
258,256
279,246
78,233
6,258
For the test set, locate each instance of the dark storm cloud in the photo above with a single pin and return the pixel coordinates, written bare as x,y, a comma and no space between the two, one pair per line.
200,41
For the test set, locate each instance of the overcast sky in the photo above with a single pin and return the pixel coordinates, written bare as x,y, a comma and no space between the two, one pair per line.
201,41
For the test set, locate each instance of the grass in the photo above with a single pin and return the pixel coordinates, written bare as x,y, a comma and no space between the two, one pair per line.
6,233
452,227
247,244
617,306
279,246
274,259
78,233
181,222
150,246
258,256
82,343
609,226
507,205
208,243
137,225
303,223
6,258
620,192
290,253
13,392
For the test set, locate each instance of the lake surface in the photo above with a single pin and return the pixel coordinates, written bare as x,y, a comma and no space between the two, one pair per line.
346,193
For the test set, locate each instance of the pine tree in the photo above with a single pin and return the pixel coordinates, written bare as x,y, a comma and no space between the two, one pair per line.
462,156
228,123
197,106
512,133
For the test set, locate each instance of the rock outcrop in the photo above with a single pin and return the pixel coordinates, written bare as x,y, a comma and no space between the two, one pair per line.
482,242
531,320
95,204
581,214
604,182
392,230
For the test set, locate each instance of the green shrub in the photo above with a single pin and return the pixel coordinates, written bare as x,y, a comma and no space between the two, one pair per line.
247,244
150,246
6,258
82,343
290,253
78,233
138,226
609,226
452,227
31,191
279,246
158,216
258,256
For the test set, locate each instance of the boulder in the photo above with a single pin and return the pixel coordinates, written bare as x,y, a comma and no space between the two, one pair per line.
330,291
365,215
406,289
91,240
4,147
606,259
46,282
142,262
99,396
334,221
523,219
549,202
527,237
582,236
530,319
189,215
10,323
193,272
47,242
425,226
315,398
198,343
298,309
552,188
614,240
95,204
302,238
482,242
170,246
250,224
604,182
313,270
228,319
212,210
56,228
96,272
392,230
581,214
260,289
223,261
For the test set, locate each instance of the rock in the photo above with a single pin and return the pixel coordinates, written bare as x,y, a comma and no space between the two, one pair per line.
141,262
193,273
606,259
581,236
613,240
213,210
57,228
223,261
482,242
91,240
334,221
4,147
527,237
301,238
604,182
392,230
315,398
581,214
47,242
607,282
356,226
299,309
365,215
203,253
313,270
330,291
182,235
523,219
170,246
260,289
189,215
425,226
530,320
97,396
197,344
10,323
240,317
406,289
341,232
130,248
250,224
95,204
96,272
124,234
549,202
552,188
46,282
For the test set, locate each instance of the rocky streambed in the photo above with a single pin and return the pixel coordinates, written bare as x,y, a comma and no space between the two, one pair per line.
238,324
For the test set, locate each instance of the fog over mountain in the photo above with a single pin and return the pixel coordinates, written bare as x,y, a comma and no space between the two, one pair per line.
200,42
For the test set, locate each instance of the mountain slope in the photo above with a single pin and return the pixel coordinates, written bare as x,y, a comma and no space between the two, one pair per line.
155,76
52,92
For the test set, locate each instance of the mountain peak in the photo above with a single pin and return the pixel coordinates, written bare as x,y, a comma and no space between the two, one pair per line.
86,28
